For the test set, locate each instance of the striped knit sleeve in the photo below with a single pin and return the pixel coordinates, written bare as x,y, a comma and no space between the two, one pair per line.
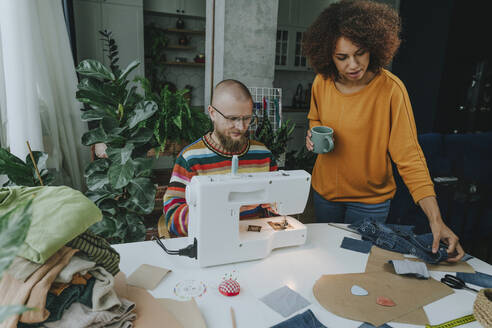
175,207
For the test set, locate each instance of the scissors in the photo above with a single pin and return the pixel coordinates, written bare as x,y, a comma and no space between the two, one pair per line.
456,283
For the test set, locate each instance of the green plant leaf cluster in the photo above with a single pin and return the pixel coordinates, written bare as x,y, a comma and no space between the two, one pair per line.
14,226
300,160
119,185
20,173
275,141
175,120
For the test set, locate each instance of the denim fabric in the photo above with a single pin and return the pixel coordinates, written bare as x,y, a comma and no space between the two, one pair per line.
400,239
361,246
302,320
478,278
348,212
368,325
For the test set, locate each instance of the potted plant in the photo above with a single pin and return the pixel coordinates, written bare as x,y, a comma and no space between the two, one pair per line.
20,173
275,141
176,123
119,184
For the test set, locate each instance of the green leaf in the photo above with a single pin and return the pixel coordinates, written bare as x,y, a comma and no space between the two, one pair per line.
99,165
135,228
120,155
97,135
39,157
97,180
142,111
143,166
120,175
9,310
18,172
105,192
14,226
95,69
128,69
94,114
106,228
109,206
142,195
142,136
177,121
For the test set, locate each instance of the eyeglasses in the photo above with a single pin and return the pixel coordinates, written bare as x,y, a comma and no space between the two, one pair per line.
233,120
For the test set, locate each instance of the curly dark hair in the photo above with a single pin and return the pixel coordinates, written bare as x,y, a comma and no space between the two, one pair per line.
372,26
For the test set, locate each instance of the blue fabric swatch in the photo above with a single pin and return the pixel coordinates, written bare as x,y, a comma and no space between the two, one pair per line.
362,246
302,320
368,325
285,301
478,278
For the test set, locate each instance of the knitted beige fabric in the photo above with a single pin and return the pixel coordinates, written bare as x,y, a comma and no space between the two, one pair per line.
482,308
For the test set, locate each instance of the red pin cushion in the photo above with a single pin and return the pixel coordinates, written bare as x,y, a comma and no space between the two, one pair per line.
229,287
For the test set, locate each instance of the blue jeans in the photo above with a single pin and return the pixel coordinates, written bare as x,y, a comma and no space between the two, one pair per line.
478,278
302,320
401,239
348,212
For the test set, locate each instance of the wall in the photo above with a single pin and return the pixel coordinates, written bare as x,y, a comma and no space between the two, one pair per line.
244,42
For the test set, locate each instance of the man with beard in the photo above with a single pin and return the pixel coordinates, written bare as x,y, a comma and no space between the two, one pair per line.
231,112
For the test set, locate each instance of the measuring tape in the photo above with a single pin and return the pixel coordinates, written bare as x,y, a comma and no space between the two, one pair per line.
453,323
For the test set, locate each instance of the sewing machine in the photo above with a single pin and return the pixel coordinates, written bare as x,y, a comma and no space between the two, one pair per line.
214,202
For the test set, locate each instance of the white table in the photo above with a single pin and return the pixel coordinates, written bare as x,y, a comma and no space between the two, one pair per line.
297,267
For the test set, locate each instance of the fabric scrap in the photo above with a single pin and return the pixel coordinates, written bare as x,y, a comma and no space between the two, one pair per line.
285,301
368,325
478,278
306,319
59,214
14,291
147,276
79,316
418,269
98,250
362,246
358,291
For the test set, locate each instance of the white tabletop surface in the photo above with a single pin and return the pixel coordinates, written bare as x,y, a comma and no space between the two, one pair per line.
297,267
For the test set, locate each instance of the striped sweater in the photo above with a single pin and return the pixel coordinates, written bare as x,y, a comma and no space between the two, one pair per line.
203,158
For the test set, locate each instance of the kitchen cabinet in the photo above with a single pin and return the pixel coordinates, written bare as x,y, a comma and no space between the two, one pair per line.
288,50
123,17
177,7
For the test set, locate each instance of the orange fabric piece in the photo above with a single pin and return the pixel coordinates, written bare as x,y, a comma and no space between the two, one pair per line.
371,126
58,287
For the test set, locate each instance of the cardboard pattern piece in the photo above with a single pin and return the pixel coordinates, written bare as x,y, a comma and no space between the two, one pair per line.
187,312
148,309
409,294
147,276
378,258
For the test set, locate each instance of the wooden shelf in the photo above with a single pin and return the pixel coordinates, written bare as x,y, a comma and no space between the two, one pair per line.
193,64
176,30
178,47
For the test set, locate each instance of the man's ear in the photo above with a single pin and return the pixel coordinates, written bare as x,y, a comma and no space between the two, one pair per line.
211,112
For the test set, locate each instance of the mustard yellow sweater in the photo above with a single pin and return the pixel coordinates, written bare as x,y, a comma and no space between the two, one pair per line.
371,127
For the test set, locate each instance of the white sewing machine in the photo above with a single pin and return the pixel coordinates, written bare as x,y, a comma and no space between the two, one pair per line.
214,202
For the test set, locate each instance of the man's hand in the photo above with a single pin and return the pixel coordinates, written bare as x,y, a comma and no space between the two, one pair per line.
441,231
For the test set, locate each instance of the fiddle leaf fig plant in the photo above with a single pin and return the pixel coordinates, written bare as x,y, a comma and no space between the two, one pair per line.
20,173
119,184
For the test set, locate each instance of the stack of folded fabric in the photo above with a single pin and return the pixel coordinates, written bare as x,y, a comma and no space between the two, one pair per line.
63,271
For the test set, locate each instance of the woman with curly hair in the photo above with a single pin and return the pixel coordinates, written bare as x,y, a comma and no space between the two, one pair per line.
369,110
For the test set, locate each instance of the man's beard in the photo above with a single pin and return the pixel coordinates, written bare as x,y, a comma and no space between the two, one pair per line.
230,145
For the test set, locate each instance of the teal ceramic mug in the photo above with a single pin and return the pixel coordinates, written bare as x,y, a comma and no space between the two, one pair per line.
322,138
